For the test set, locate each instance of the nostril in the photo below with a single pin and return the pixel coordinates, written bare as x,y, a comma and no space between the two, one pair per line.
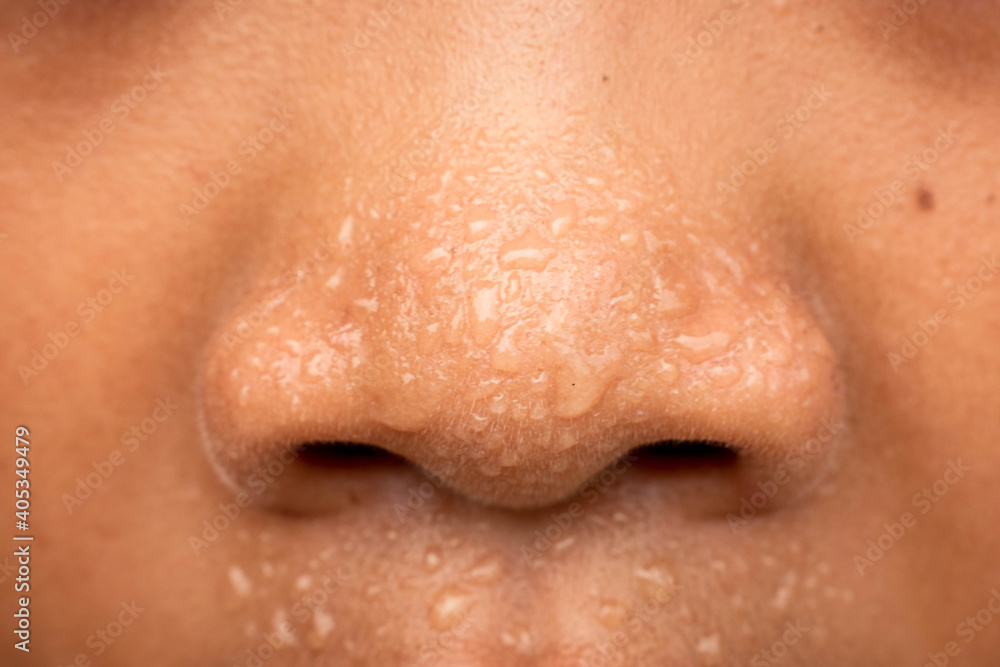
676,455
327,477
332,456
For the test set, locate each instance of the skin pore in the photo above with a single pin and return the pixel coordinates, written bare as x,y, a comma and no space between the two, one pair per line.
507,244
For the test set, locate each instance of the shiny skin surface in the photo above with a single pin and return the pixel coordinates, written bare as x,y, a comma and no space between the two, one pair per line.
508,243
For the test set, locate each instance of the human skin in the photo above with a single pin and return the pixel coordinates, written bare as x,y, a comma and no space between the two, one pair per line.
493,241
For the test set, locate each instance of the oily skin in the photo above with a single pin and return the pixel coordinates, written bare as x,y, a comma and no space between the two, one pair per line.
562,220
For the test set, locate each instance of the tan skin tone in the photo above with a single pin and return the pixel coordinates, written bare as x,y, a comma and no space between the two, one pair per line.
494,242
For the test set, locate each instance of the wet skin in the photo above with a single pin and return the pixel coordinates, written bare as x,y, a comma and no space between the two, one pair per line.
506,245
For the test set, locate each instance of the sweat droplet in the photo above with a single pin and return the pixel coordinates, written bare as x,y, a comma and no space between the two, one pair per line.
432,559
702,348
582,381
346,235
484,316
529,253
565,440
564,217
611,614
451,607
241,584
425,259
489,468
655,578
486,571
498,403
725,374
323,625
506,356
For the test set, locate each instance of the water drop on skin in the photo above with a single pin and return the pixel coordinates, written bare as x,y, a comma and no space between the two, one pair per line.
425,259
698,349
564,218
538,411
489,468
505,355
429,338
563,544
512,287
519,410
239,581
346,235
486,571
528,253
509,457
629,239
559,465
432,559
611,614
498,402
708,645
582,382
451,607
565,440
484,318
626,302
655,578
480,220
725,374
333,282
519,639
318,637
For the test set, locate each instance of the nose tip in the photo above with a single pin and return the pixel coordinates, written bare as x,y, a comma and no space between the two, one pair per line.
514,362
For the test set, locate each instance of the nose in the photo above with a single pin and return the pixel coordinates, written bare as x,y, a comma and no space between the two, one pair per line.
513,326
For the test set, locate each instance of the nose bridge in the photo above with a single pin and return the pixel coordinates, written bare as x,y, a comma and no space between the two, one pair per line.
507,315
